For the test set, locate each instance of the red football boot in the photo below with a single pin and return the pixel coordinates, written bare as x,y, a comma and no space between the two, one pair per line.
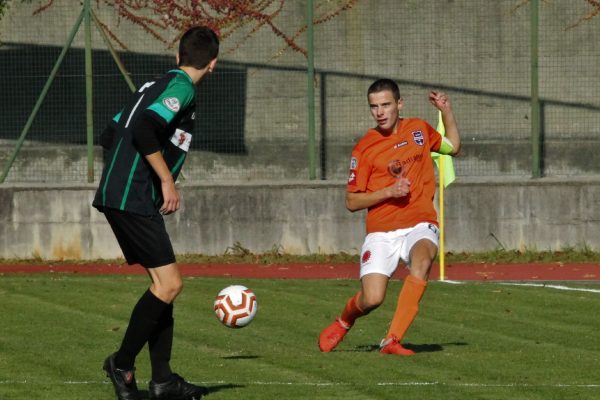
391,345
331,336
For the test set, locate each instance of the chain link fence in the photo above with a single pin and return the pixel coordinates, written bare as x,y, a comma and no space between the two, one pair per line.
253,119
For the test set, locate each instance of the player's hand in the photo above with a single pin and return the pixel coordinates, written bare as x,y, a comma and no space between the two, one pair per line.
171,198
400,188
440,101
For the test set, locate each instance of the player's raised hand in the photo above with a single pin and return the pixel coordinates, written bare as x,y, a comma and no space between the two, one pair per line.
440,101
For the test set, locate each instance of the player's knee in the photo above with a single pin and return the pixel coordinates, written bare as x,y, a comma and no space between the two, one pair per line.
167,292
421,268
370,301
176,288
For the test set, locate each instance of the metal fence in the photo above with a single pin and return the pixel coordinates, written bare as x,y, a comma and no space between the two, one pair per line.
255,116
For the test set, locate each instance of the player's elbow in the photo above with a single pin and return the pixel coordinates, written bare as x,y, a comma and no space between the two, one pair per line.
351,205
456,150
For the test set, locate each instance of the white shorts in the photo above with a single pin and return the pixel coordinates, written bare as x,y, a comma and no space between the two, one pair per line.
382,251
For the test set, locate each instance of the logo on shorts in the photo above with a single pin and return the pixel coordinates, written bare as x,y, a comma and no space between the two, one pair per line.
433,228
418,138
172,103
365,257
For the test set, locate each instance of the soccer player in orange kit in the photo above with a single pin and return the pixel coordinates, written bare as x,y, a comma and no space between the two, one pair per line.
391,175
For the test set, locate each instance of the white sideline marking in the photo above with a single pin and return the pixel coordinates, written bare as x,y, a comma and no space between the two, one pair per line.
541,285
557,287
262,383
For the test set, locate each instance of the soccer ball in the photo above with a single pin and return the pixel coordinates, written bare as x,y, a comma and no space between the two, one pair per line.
236,306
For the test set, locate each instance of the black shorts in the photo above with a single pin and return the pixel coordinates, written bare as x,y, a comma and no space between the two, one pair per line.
143,239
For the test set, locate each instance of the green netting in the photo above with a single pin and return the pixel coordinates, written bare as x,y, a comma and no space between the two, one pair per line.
253,111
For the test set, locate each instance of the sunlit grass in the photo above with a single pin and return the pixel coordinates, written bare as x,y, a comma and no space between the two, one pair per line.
474,341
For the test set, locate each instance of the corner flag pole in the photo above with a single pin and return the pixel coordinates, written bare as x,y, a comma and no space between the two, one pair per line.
446,176
441,208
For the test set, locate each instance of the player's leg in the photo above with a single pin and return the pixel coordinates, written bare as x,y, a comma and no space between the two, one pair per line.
379,259
422,248
167,284
372,294
143,240
374,287
149,310
142,322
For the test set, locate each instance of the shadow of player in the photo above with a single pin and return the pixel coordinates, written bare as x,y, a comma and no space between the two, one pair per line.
145,395
417,348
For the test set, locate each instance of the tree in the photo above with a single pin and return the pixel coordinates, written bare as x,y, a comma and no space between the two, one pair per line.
5,3
158,17
594,10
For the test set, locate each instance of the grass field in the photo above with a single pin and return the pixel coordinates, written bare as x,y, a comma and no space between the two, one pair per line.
474,341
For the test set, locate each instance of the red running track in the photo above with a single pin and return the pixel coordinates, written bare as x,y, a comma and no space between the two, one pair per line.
459,272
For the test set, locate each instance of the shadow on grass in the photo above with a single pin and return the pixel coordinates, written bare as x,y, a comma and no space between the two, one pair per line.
240,357
145,395
218,388
417,348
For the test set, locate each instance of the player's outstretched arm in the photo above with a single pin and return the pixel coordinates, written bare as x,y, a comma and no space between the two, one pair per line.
441,101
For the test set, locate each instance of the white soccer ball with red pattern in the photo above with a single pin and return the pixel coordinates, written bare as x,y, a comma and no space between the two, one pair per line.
236,306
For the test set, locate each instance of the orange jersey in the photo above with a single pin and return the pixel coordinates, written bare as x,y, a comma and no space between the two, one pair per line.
409,148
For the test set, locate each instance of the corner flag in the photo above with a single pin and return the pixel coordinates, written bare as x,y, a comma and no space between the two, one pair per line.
443,162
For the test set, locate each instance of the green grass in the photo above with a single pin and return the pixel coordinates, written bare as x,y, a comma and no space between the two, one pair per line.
474,341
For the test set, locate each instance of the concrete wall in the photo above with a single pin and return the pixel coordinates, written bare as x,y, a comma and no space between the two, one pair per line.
302,218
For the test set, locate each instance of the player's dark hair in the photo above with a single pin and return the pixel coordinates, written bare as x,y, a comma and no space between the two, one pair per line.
384,84
197,47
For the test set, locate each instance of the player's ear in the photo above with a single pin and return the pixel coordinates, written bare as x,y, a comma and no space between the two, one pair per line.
400,104
212,64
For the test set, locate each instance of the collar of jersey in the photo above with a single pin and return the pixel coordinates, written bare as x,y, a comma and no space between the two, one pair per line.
182,72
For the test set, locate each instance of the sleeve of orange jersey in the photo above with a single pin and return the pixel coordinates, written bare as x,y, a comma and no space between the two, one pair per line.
360,169
435,138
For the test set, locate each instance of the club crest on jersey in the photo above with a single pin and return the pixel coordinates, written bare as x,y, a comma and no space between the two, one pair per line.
172,103
181,139
353,163
418,138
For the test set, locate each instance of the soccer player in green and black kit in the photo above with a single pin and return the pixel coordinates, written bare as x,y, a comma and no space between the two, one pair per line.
147,143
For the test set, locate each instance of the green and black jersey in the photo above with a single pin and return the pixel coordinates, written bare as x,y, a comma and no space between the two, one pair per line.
128,181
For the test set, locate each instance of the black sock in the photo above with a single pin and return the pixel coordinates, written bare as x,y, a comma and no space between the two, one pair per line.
160,344
142,323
